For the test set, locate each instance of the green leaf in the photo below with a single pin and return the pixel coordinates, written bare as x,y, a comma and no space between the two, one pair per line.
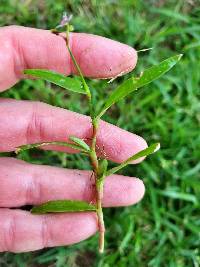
63,206
72,84
149,150
133,84
80,143
37,145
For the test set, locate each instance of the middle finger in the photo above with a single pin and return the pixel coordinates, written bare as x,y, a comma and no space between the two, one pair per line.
22,184
27,122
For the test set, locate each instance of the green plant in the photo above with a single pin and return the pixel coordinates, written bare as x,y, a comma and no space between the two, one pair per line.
99,166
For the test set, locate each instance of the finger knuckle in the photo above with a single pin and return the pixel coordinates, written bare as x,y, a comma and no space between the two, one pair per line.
45,232
9,234
37,128
34,189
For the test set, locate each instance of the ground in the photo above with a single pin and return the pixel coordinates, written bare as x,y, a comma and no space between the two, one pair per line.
164,228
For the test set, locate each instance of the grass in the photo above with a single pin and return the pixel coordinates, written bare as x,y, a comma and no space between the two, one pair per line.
164,229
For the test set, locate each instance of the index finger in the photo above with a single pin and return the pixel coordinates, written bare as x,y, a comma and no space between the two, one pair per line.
98,57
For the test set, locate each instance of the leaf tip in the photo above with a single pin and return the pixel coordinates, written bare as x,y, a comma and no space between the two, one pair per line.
34,210
17,150
37,210
71,137
25,71
157,147
180,56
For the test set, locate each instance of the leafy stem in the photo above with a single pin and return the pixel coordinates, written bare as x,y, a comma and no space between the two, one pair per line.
99,166
99,180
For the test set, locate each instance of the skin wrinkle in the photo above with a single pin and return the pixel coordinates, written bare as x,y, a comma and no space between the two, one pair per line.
19,59
33,127
10,237
37,129
45,232
51,125
34,193
9,115
19,63
6,57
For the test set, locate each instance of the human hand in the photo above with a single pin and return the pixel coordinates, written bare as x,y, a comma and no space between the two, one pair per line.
27,122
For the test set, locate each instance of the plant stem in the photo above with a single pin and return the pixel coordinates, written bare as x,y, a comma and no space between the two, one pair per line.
99,189
99,178
99,182
77,66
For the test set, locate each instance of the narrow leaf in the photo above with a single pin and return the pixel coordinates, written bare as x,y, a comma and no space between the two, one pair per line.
71,84
133,84
63,206
80,143
37,145
149,150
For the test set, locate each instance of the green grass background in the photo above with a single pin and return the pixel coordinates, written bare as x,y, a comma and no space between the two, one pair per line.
164,228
